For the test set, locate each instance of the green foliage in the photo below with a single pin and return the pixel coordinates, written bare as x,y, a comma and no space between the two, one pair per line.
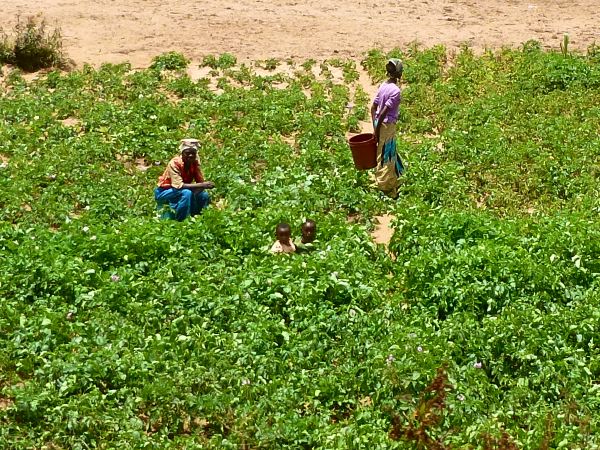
121,330
6,49
481,264
420,66
308,64
224,61
33,46
349,71
170,61
269,64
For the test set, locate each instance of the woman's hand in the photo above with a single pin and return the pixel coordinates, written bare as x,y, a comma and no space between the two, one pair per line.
207,185
198,186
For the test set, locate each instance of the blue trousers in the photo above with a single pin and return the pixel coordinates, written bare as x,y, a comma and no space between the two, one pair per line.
182,202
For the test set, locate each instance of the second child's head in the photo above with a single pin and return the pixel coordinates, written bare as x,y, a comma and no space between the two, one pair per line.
283,233
309,231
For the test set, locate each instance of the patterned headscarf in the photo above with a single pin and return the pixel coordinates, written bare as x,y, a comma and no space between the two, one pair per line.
394,67
189,143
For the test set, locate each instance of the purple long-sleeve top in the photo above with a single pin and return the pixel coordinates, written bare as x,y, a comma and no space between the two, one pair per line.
390,95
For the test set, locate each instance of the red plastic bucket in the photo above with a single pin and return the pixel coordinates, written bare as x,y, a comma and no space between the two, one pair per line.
364,150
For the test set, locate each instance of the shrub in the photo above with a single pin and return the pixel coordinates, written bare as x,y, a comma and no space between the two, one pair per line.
37,48
33,46
6,51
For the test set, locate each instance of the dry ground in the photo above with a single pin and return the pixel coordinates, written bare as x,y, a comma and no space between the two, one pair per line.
97,31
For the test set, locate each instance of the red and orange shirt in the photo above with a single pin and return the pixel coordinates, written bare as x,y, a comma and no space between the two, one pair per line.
175,175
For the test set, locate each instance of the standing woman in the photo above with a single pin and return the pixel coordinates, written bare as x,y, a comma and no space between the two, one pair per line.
384,113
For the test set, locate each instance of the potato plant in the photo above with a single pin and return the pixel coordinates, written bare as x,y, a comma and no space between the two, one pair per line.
119,330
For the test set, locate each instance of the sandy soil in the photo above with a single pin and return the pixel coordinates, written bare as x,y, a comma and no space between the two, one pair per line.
98,31
382,234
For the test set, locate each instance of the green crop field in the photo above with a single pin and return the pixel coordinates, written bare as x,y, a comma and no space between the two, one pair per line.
480,331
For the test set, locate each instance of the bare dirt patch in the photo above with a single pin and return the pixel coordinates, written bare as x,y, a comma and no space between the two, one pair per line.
71,122
5,403
96,31
383,232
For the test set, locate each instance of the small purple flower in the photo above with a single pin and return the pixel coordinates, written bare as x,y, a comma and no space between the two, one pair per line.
390,359
477,365
114,278
420,349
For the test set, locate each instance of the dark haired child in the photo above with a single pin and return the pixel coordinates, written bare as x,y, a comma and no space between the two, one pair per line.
309,233
283,244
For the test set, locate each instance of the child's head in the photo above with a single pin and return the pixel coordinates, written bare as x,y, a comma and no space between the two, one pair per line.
394,68
283,233
309,230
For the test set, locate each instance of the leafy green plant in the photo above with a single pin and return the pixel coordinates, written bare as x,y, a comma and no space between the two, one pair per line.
122,330
308,64
6,49
224,61
170,61
270,64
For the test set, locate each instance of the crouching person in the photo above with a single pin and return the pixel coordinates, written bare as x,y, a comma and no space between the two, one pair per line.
182,186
